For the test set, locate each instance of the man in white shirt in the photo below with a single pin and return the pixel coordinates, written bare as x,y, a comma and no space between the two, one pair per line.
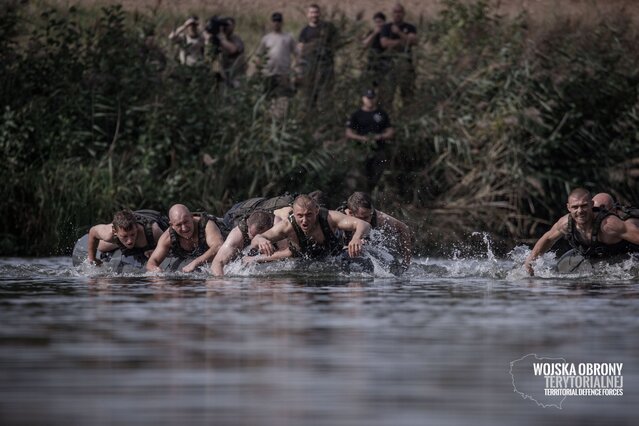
274,57
191,42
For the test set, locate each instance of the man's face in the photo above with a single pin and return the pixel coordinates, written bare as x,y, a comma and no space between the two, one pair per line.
362,213
253,230
276,25
379,22
183,225
580,209
306,217
398,15
127,236
192,29
369,103
229,28
313,15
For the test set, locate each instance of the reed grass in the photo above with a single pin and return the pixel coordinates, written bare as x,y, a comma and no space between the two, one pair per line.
505,120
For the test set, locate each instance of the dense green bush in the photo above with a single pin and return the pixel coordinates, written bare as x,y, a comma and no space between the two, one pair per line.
96,116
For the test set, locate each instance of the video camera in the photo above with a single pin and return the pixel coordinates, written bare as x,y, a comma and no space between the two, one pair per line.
215,24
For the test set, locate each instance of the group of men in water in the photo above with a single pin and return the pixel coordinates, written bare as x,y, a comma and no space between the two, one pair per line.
273,228
282,227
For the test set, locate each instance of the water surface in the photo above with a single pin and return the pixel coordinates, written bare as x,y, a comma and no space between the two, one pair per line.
307,347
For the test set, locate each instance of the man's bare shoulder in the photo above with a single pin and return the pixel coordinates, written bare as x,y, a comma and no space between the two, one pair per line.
384,219
612,225
235,238
165,238
562,224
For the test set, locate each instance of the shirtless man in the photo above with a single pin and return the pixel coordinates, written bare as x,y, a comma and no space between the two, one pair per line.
132,232
360,205
605,201
199,236
312,232
240,237
593,234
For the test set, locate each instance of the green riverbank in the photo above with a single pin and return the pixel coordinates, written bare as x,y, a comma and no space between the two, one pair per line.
506,118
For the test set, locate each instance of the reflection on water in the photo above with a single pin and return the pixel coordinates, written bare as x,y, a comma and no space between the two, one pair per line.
292,348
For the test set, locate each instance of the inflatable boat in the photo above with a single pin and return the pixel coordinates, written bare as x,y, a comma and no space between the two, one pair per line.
116,261
573,262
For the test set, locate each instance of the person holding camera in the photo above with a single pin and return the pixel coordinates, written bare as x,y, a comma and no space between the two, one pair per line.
229,47
190,41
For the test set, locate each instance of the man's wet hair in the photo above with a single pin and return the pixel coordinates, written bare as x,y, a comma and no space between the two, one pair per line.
314,6
579,192
359,200
262,221
305,201
124,219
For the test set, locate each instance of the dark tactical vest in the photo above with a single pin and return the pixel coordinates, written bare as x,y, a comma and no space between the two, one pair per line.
594,248
243,210
243,226
311,249
627,212
146,218
202,245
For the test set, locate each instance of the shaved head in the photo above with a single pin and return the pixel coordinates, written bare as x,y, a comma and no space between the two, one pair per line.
177,211
603,200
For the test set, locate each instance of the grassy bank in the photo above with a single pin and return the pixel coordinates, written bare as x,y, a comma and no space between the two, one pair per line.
97,116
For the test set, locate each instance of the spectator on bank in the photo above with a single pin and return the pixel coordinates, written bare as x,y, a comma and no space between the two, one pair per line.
274,56
190,41
317,42
228,47
398,38
370,126
377,65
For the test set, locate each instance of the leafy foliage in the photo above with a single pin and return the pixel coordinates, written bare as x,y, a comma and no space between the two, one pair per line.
97,116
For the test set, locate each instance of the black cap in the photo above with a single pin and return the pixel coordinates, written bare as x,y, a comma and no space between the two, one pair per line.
276,17
369,93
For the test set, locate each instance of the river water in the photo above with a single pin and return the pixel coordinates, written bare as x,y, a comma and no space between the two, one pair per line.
309,347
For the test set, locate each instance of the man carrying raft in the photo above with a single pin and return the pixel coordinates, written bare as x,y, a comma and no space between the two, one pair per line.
593,233
275,229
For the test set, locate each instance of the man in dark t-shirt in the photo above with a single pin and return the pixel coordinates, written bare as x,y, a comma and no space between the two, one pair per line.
371,127
398,38
316,48
378,64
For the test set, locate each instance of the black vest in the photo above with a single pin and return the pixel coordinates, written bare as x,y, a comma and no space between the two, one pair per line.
146,218
311,249
627,212
202,245
243,210
594,248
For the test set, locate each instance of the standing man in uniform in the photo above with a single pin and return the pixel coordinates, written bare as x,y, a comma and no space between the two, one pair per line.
371,127
317,43
398,38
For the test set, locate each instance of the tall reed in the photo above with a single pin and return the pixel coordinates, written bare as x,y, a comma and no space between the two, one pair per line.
96,115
